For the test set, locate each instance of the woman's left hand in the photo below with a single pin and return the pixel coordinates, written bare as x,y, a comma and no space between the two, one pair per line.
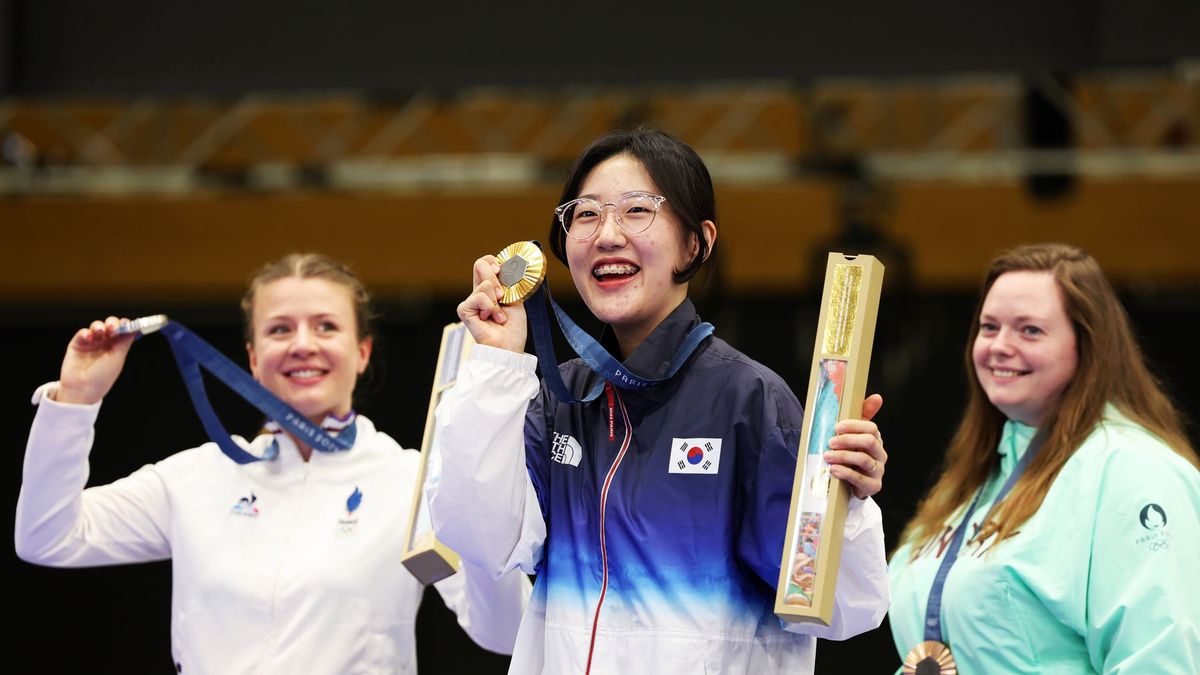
856,453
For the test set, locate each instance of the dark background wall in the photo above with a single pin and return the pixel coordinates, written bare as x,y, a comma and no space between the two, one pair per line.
143,46
7,50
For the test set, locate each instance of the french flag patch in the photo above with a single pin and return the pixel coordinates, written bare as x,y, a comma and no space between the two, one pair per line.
695,455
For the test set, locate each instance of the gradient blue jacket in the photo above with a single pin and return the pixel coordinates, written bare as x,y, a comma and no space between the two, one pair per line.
655,520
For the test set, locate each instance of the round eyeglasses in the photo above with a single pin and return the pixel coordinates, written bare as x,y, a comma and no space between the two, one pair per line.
634,212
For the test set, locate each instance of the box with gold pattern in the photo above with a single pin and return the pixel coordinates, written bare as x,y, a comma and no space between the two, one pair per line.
841,356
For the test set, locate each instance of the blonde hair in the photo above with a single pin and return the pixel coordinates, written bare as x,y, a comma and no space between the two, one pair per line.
310,266
1111,369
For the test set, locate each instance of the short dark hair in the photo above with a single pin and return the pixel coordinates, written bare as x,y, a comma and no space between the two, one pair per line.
673,166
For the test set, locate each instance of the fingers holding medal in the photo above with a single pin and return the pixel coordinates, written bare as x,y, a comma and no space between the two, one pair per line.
522,271
493,312
94,359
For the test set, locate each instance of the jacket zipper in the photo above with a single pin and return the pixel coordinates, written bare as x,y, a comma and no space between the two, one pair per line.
287,544
603,506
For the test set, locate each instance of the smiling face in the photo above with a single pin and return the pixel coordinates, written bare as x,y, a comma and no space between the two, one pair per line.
626,279
1025,353
305,347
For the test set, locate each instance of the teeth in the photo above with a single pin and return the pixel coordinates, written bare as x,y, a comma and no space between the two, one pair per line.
1006,373
604,270
304,373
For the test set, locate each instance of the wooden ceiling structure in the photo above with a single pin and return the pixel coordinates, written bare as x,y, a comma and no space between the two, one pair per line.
182,197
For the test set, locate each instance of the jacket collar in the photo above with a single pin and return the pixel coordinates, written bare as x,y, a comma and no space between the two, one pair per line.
288,455
652,358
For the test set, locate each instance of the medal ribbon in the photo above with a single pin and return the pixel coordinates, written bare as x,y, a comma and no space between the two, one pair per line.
192,353
595,356
933,610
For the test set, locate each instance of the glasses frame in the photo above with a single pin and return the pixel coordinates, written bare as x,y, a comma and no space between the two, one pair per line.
561,211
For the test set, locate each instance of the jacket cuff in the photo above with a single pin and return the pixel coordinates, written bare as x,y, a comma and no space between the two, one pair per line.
519,361
46,392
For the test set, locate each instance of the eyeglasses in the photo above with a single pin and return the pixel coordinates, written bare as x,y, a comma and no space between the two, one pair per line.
634,212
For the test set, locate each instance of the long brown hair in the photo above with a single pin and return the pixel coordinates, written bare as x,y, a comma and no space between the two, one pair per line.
1110,369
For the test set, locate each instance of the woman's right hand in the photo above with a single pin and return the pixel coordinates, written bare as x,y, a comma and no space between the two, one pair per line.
489,323
94,359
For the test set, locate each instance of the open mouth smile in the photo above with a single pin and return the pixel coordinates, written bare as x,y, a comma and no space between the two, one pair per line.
1006,373
305,373
609,271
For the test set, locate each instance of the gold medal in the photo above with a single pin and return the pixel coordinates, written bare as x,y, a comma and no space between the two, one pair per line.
522,270
930,658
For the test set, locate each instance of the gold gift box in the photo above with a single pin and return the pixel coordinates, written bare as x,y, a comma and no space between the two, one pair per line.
837,385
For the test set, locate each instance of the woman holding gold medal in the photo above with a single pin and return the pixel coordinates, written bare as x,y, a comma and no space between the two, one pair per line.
288,562
1078,486
647,483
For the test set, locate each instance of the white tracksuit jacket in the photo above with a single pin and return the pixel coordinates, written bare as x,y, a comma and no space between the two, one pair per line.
281,566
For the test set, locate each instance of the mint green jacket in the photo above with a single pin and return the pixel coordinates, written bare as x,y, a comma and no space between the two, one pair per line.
1103,578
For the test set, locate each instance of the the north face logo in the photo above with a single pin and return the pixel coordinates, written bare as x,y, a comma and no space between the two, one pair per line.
565,450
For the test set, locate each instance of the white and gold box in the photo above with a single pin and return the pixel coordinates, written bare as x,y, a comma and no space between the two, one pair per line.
837,384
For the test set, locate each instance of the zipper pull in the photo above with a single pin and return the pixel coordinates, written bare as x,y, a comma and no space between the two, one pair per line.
608,390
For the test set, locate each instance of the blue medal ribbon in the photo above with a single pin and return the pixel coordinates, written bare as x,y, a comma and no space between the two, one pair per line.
595,356
192,353
933,610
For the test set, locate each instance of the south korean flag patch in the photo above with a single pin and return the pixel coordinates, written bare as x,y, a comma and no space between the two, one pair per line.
695,455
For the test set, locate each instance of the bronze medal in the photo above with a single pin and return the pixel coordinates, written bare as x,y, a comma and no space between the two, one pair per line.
522,270
930,658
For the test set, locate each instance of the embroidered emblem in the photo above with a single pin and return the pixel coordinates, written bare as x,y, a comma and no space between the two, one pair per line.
349,523
245,507
695,455
565,450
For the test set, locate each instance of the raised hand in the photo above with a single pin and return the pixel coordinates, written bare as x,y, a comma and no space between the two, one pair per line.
93,362
490,324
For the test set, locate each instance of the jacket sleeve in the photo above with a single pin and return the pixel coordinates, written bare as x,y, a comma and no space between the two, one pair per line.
488,609
61,524
481,499
1143,603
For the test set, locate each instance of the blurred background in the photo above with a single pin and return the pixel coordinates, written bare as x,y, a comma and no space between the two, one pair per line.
154,154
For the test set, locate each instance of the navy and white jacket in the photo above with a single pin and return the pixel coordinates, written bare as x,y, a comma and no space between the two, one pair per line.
654,520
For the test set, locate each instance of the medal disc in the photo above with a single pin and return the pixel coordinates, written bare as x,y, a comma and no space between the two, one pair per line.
930,658
144,325
522,270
